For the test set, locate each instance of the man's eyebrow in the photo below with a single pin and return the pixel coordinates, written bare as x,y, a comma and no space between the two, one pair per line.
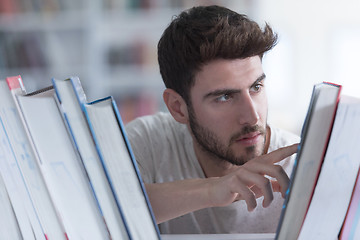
259,79
220,92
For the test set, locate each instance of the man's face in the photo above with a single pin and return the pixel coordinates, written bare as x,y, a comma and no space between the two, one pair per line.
228,109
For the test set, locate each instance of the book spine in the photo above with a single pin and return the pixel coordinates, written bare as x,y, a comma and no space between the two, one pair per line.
132,157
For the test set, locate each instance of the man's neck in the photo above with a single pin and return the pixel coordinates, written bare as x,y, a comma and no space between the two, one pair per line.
212,166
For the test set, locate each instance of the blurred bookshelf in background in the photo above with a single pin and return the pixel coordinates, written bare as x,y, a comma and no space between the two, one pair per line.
110,45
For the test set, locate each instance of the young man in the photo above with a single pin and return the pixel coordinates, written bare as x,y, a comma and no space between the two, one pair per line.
207,165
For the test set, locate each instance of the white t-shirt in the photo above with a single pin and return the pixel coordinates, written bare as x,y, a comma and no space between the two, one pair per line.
164,151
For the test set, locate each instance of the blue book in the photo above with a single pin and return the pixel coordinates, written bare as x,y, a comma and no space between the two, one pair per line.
120,166
70,96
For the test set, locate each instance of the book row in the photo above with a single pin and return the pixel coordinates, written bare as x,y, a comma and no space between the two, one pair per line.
66,168
30,46
23,6
322,201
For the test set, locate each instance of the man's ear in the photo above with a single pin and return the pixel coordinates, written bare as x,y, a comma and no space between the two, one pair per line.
176,105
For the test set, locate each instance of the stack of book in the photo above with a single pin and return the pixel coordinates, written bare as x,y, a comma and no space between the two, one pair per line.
66,168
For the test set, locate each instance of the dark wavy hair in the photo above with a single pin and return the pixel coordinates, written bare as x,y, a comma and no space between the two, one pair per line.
205,33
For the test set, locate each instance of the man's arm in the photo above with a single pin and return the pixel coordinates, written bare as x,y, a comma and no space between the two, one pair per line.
248,182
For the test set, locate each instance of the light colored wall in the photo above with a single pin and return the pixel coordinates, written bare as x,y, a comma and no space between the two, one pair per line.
319,41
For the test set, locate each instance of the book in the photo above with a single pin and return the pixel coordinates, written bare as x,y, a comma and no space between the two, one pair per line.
312,148
351,226
61,168
338,174
120,167
9,227
29,167
71,96
27,218
18,191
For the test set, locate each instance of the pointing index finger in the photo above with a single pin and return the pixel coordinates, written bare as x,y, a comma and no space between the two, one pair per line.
281,153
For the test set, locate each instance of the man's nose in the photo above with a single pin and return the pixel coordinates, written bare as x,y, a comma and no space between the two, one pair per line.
248,114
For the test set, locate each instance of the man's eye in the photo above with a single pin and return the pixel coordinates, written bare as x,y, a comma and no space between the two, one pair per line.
257,87
223,98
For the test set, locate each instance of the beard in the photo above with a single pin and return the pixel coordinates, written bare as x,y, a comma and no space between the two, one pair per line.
209,142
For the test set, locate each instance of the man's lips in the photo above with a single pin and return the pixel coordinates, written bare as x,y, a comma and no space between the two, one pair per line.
249,139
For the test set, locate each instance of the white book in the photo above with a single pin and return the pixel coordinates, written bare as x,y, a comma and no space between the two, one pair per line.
120,167
70,95
314,140
351,227
9,227
24,210
66,179
338,175
28,164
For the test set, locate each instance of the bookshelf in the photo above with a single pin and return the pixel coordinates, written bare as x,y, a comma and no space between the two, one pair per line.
109,44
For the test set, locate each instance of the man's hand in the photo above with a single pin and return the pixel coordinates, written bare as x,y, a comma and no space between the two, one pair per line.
248,182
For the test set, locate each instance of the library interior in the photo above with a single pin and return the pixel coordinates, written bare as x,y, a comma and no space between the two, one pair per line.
111,47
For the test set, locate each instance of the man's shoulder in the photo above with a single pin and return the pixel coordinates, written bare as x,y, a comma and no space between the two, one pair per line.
160,123
154,120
